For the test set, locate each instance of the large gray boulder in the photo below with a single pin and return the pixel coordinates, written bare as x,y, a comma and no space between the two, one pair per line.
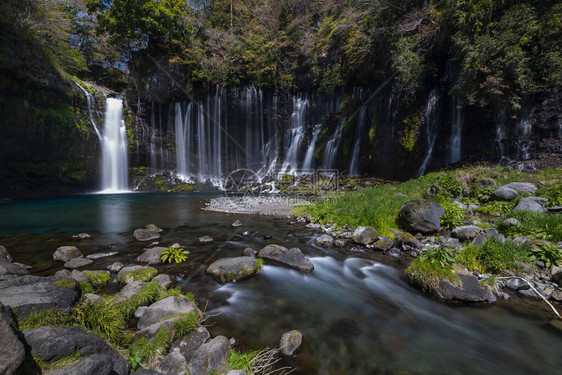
5,255
189,344
522,187
504,194
212,355
66,253
420,216
152,255
96,364
556,274
141,273
533,204
293,257
145,235
27,294
78,262
129,291
50,344
365,235
7,268
233,269
173,364
466,232
290,342
162,309
12,351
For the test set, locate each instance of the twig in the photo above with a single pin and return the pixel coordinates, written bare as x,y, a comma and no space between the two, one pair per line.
536,291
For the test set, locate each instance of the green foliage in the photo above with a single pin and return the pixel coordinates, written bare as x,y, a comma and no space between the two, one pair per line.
409,65
185,324
553,193
86,287
146,295
548,253
453,216
495,208
431,267
99,280
496,256
469,256
44,318
242,361
103,319
140,274
174,255
259,263
148,349
535,225
411,127
65,284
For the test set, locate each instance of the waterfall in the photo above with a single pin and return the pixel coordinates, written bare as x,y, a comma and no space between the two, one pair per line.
354,166
296,134
114,148
90,100
431,122
524,130
308,159
501,137
333,146
456,133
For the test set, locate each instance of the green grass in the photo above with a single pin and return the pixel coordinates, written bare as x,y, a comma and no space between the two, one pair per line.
431,267
86,287
185,324
241,361
140,274
495,256
98,281
469,256
51,366
553,192
104,320
148,349
496,208
146,295
44,318
536,225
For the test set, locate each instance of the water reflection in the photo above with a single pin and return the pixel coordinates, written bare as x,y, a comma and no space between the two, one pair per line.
114,213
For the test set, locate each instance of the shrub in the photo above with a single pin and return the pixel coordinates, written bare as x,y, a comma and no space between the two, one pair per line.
454,215
547,253
103,319
174,255
496,256
44,318
495,208
468,257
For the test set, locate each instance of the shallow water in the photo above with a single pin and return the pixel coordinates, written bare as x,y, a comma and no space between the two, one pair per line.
358,316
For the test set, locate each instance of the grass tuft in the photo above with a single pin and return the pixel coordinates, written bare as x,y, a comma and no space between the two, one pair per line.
44,318
104,320
431,267
536,225
148,350
185,324
495,256
242,361
146,295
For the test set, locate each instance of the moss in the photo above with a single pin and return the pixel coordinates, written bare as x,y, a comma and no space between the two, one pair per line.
146,295
141,274
241,361
410,136
426,271
86,287
98,280
65,284
51,366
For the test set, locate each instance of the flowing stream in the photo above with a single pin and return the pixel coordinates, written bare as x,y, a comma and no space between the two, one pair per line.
114,148
358,316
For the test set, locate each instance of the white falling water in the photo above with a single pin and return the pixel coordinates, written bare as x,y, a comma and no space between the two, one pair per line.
114,148
354,166
309,157
90,100
456,130
431,122
333,146
524,130
296,135
501,137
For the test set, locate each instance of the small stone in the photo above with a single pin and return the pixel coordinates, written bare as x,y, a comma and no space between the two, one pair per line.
365,235
101,255
509,223
79,276
324,240
237,224
504,194
63,274
313,226
246,233
66,253
479,240
489,232
520,241
267,237
4,255
144,235
466,232
384,243
153,227
290,342
82,236
555,209
516,284
528,293
115,267
249,252
233,269
78,262
409,240
164,280
556,274
205,239
152,255
176,246
341,242
556,296
92,298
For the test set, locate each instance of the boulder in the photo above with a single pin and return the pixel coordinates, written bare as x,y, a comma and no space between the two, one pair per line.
420,216
533,204
173,364
152,255
164,280
487,183
248,252
144,235
290,342
556,274
101,255
115,267
324,240
79,276
504,194
142,273
78,262
479,240
7,268
53,343
162,309
12,351
129,291
384,243
407,239
150,331
97,364
293,257
469,290
466,232
205,239
27,294
66,253
212,355
522,240
522,187
189,344
509,223
4,255
233,269
516,284
364,235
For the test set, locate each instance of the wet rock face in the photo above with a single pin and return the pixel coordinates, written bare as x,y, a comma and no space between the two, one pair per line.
165,308
12,352
469,291
212,355
365,235
233,269
293,257
146,235
420,216
66,253
290,342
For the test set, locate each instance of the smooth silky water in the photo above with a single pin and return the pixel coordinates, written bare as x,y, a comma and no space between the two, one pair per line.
358,316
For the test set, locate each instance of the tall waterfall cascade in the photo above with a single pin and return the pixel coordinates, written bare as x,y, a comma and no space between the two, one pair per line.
432,126
114,148
456,132
354,166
